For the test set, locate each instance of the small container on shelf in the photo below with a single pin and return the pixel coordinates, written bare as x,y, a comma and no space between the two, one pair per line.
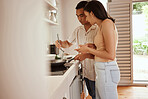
53,17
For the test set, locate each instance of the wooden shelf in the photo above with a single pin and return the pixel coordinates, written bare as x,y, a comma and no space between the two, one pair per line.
51,6
50,22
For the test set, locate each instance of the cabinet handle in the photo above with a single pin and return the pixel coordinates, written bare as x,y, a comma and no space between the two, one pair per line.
64,98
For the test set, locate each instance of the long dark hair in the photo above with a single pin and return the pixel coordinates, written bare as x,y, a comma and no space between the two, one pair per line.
98,9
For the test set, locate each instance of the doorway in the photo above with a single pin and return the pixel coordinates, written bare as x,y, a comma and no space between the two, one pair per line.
140,41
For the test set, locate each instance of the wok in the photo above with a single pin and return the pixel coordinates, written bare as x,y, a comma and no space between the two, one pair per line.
60,64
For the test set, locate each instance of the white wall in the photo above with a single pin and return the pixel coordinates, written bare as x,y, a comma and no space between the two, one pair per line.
69,19
22,65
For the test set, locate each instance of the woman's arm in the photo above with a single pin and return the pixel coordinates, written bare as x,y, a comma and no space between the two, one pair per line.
83,56
109,40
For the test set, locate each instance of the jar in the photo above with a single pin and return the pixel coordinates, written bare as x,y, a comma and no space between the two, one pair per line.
52,17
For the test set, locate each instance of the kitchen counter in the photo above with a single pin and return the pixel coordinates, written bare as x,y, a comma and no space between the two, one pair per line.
58,84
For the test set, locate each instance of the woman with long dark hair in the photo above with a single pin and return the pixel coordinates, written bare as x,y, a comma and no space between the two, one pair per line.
106,68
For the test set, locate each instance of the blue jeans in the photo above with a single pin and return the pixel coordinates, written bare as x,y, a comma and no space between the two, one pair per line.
91,87
107,78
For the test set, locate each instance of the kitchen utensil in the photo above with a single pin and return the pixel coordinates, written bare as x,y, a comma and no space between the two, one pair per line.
59,43
67,64
60,48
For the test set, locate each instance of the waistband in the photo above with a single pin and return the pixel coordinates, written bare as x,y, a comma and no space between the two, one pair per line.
103,65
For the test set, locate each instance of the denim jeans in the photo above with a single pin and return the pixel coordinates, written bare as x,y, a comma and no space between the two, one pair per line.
91,87
107,78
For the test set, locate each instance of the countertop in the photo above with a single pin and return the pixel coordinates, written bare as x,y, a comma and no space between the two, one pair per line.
57,84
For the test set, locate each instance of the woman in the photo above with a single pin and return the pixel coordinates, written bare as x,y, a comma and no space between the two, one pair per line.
106,68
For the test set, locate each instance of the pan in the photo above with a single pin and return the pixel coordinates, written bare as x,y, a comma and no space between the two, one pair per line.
60,64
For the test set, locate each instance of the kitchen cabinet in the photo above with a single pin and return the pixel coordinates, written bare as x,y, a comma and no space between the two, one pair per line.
75,88
65,86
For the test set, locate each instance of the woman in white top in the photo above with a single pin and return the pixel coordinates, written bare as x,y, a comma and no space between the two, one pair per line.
106,68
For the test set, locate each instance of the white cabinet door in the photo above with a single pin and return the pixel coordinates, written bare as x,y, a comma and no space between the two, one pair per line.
75,88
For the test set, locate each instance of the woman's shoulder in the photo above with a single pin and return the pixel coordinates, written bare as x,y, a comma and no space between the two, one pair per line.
107,22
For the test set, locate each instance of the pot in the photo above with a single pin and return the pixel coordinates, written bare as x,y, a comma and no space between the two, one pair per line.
53,49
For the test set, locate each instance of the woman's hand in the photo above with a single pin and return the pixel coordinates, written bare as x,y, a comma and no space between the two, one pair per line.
91,45
83,49
81,57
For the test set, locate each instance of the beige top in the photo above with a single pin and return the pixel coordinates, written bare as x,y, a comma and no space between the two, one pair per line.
80,36
100,44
